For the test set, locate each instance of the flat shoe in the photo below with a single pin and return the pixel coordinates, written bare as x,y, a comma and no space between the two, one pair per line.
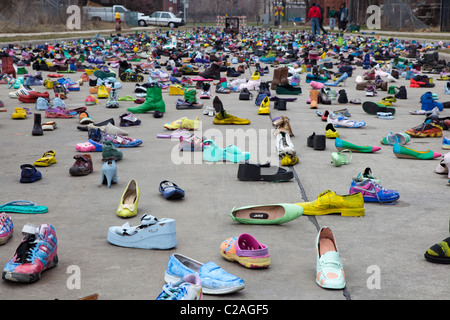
170,190
266,214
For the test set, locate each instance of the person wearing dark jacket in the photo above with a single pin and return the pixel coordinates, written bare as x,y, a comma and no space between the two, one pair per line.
321,19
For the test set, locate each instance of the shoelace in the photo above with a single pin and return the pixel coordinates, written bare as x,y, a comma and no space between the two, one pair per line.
173,293
23,252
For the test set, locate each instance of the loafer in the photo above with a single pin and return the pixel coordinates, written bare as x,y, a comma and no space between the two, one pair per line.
214,279
329,202
150,234
266,214
329,270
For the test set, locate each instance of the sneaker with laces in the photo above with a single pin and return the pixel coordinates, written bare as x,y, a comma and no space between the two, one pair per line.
188,288
427,129
351,205
373,192
36,254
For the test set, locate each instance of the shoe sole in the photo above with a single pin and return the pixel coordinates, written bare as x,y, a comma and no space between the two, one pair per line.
251,263
33,277
174,279
373,108
343,212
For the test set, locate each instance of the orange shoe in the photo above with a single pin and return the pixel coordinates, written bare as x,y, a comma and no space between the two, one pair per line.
426,129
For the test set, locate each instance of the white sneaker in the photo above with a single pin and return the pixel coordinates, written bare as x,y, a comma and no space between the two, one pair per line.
284,144
21,91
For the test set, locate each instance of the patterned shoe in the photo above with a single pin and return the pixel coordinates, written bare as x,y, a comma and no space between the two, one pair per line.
188,288
373,192
122,142
426,129
58,112
246,250
6,227
36,253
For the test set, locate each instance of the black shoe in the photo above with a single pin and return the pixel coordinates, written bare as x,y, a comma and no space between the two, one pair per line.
37,128
265,172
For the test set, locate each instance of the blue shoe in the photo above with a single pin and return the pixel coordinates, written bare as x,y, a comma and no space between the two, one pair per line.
170,190
29,174
343,77
109,172
445,143
373,192
98,146
174,80
428,103
214,279
150,234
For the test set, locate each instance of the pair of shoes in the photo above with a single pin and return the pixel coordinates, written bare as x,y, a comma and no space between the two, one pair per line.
214,279
316,141
82,166
170,190
284,144
36,253
265,172
246,250
152,233
213,153
328,202
29,174
266,214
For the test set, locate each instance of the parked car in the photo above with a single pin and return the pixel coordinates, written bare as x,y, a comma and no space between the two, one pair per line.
160,18
106,13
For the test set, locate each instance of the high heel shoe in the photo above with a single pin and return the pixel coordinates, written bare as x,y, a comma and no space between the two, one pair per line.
343,77
129,201
109,171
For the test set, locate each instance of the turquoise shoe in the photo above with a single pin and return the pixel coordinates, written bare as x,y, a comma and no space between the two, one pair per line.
234,154
211,152
329,270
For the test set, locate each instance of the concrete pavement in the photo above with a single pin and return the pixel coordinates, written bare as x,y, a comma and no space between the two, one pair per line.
382,252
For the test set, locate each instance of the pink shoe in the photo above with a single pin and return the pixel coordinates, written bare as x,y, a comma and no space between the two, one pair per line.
6,227
85,147
316,85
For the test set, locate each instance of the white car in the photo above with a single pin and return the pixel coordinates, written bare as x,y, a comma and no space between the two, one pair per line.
160,18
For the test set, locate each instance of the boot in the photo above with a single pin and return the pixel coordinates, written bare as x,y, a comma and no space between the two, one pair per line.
37,128
314,95
213,72
82,166
153,102
276,78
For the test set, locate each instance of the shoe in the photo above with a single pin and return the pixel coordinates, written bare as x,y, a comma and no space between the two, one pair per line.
214,279
112,101
266,214
343,77
284,144
102,92
183,123
82,166
153,101
6,227
224,118
150,234
446,143
109,150
36,254
351,205
439,253
374,108
331,132
46,160
342,121
90,101
400,138
128,119
341,145
373,192
340,158
19,113
129,201
85,118
289,160
427,129
366,175
37,126
121,141
264,107
109,171
246,250
329,270
170,190
314,96
265,172
408,153
188,288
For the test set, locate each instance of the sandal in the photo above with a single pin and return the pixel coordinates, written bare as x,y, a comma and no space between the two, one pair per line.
23,206
47,159
439,253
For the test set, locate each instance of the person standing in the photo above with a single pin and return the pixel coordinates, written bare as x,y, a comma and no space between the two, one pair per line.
314,15
343,17
332,15
321,19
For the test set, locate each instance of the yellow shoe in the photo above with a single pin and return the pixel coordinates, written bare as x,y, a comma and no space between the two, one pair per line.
19,113
256,75
176,90
47,159
331,132
102,92
225,118
327,202
129,201
289,160
190,124
264,107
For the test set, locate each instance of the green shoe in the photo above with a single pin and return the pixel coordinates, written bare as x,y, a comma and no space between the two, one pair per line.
126,98
340,158
153,102
21,70
266,214
400,138
341,145
408,153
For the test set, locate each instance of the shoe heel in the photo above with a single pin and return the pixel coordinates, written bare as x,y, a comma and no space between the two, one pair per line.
109,172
